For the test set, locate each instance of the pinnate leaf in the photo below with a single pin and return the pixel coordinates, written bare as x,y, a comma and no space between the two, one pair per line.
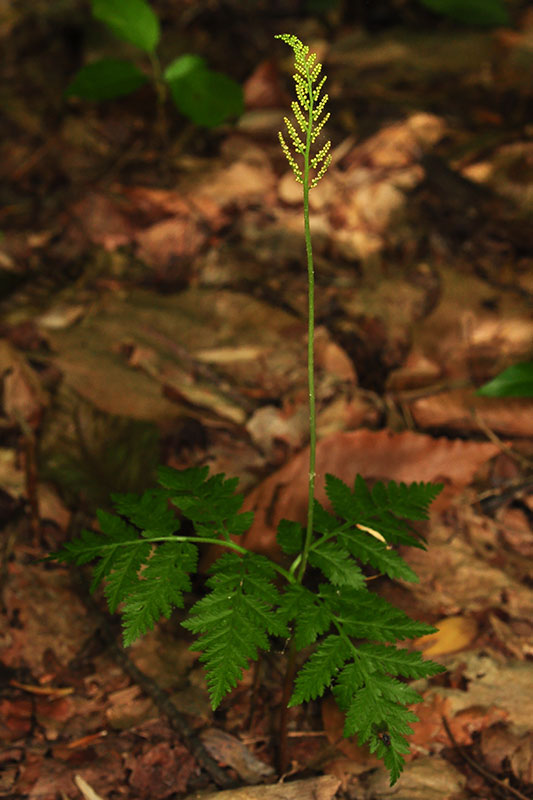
159,589
376,619
150,512
369,550
320,668
290,536
309,615
396,661
337,565
182,481
233,621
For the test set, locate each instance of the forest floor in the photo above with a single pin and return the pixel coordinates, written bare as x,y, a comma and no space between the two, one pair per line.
154,298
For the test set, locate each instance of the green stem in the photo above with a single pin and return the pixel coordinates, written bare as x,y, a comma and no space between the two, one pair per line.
310,345
199,540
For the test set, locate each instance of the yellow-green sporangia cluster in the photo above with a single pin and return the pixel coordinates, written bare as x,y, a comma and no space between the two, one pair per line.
308,111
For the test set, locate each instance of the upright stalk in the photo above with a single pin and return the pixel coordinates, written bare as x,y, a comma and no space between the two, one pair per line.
310,348
307,112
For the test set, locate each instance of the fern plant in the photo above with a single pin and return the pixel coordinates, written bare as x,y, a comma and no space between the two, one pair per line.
146,557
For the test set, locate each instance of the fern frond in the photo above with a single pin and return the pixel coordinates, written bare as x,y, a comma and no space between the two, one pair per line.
307,111
290,536
159,589
149,512
336,564
233,621
368,705
376,619
385,508
370,551
320,668
309,615
396,661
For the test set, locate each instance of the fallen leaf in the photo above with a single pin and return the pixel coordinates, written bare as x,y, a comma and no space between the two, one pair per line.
230,751
454,634
379,455
322,788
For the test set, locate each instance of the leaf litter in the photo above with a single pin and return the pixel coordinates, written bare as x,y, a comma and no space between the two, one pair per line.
186,311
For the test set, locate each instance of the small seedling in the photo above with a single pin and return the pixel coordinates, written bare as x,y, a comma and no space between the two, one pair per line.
146,557
204,96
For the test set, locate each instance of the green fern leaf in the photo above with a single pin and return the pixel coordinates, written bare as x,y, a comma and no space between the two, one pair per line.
122,580
290,536
149,512
320,668
376,619
309,615
159,589
368,705
182,481
336,564
369,550
397,661
383,508
344,502
352,677
324,522
234,619
410,501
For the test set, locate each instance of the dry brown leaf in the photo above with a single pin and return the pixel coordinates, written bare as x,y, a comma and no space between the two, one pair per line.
379,455
264,87
230,751
24,398
426,778
103,220
171,244
461,410
322,788
162,770
501,690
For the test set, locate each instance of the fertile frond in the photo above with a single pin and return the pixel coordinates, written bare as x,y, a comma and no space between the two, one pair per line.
290,158
233,621
307,113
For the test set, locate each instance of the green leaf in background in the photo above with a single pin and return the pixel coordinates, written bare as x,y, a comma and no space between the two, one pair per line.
515,381
471,12
106,79
204,96
131,20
